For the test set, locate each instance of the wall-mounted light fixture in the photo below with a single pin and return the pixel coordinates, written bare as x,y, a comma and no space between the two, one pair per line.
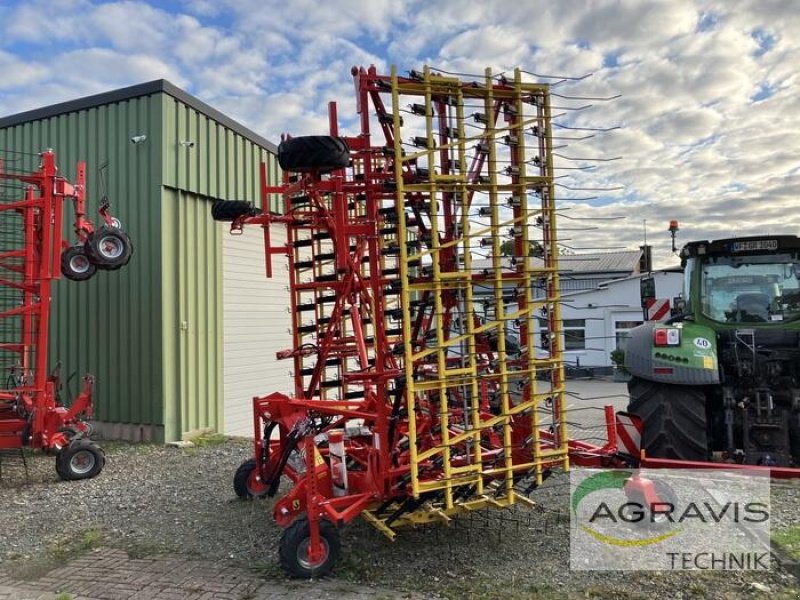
138,139
187,143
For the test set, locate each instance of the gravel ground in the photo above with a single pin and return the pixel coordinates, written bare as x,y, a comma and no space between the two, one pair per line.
153,499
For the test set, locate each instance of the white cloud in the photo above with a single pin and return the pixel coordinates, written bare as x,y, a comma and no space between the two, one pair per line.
19,73
695,145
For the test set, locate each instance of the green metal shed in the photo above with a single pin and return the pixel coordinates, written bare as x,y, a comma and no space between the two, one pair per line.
157,332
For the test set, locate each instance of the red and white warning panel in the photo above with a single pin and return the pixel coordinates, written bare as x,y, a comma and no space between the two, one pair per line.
629,433
657,309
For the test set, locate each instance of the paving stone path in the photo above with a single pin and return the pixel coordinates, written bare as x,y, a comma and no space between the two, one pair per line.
110,574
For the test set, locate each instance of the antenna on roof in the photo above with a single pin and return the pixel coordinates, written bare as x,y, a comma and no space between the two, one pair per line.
647,285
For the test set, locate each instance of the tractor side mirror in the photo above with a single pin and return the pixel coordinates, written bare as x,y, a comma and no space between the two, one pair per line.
678,306
647,287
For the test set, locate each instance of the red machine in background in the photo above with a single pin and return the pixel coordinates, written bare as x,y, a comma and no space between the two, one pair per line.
33,254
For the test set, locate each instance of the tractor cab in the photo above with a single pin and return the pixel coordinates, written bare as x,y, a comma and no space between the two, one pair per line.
743,281
723,378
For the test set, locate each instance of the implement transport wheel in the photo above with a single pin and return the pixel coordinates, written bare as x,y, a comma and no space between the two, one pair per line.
230,210
320,153
293,549
244,483
674,419
75,264
82,459
109,248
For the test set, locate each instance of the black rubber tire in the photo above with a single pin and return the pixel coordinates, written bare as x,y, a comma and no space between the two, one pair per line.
675,422
321,153
295,538
76,265
109,248
241,478
82,459
230,210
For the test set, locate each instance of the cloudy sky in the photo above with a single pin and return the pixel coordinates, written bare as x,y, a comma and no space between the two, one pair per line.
708,117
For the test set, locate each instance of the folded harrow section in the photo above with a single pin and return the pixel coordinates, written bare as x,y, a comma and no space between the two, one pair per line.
421,251
33,254
478,178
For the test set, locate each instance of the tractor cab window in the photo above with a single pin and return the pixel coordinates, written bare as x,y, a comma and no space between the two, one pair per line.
750,289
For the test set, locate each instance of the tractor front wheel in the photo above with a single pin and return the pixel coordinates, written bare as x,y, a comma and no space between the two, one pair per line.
82,459
294,545
674,416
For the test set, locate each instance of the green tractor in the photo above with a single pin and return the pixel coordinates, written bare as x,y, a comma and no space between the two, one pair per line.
720,379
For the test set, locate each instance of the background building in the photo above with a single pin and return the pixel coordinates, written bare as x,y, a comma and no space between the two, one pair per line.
186,334
597,321
600,303
588,271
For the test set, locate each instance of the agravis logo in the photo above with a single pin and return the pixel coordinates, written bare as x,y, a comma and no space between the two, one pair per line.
627,511
668,519
663,511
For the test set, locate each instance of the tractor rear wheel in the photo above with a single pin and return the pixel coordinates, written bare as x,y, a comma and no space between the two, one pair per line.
82,459
293,550
321,153
674,416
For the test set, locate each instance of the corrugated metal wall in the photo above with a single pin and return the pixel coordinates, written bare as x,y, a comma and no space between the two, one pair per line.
110,325
203,161
152,331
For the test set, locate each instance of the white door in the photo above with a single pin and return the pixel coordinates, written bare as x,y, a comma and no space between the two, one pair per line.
256,321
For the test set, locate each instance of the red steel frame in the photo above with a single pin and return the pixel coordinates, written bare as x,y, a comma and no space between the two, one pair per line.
30,413
345,249
345,255
613,454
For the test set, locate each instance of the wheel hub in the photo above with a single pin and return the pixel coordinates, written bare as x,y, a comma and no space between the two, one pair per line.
302,553
79,264
82,462
111,247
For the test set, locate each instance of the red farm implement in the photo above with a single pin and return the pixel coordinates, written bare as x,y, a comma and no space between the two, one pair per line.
420,392
32,255
421,252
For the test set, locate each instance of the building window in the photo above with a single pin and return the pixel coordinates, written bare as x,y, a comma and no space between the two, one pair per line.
622,330
574,334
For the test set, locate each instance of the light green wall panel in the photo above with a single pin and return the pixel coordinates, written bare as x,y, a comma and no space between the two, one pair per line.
192,314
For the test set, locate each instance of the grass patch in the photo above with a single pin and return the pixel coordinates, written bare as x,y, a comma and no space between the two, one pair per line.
64,596
62,549
485,588
92,538
146,549
122,448
788,538
57,552
209,439
354,566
